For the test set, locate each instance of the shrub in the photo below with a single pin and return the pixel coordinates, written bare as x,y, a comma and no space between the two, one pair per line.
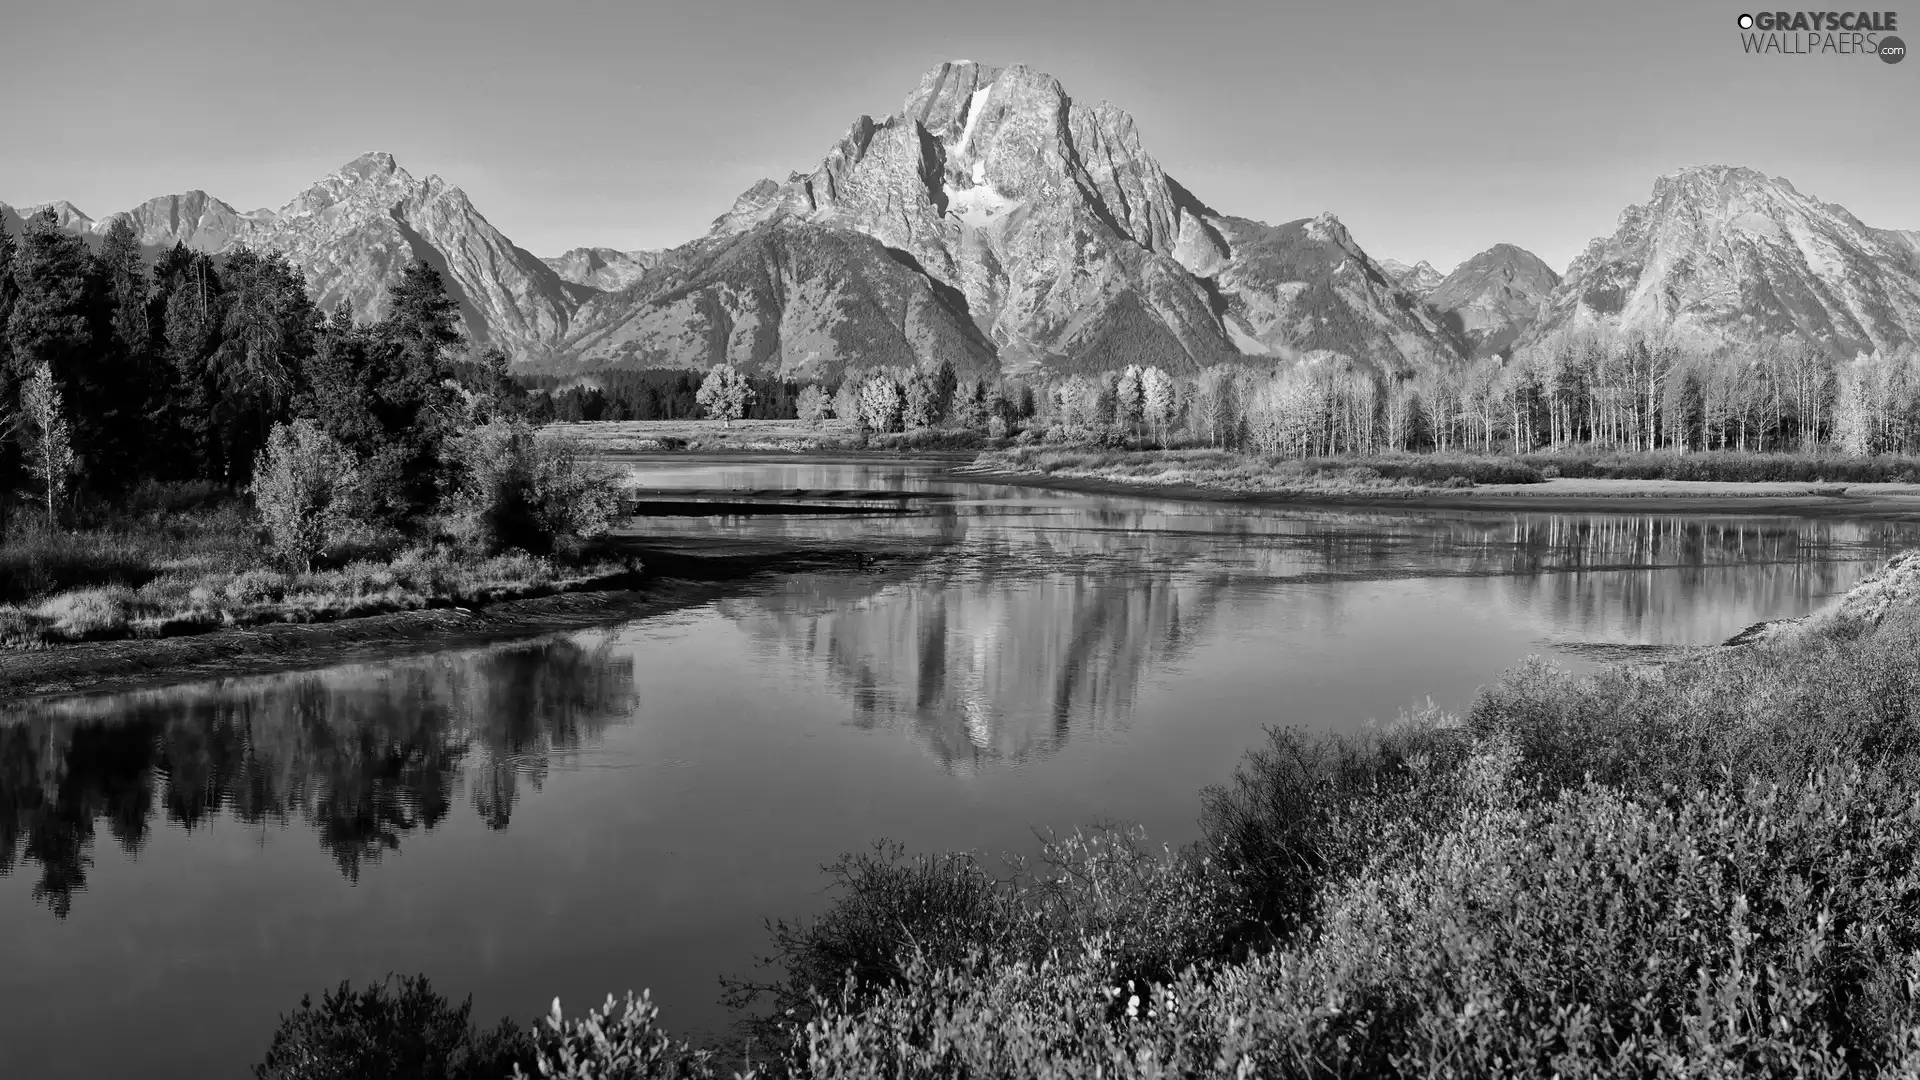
407,1030
88,613
306,488
574,497
516,489
1308,808
619,1041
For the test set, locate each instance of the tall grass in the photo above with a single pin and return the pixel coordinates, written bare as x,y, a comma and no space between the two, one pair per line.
1233,470
187,558
1728,466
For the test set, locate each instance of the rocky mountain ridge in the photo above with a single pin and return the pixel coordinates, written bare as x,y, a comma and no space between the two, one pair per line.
995,221
1418,279
1493,299
1722,255
354,231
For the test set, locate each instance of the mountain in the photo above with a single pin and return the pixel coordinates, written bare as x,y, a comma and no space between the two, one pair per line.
992,220
1494,298
355,230
1418,279
605,269
1907,238
993,209
1723,255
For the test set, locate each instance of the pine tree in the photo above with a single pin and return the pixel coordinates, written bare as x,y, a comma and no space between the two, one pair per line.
265,331
188,296
52,324
125,279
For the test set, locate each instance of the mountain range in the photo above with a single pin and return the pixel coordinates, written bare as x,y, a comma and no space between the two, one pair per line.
995,221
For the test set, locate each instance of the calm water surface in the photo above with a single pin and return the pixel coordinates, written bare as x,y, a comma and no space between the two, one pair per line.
623,808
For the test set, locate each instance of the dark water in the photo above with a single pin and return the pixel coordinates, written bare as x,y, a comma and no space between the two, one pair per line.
622,808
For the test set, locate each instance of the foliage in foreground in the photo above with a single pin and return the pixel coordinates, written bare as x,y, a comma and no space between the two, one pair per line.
397,1028
1710,868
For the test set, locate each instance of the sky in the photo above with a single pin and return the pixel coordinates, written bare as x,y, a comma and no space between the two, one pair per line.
1433,130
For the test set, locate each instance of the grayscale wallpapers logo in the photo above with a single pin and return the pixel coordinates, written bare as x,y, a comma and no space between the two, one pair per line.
1823,33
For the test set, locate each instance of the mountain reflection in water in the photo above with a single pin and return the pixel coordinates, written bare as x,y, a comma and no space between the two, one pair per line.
989,658
1026,624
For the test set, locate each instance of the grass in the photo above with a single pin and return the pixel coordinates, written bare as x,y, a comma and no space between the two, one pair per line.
778,436
1233,471
167,565
1389,472
1727,466
1709,868
647,436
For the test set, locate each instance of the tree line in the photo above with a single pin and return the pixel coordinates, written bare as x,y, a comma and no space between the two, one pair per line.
1574,391
114,374
647,394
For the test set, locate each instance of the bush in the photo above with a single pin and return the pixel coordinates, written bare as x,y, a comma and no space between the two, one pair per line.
89,613
516,489
387,1031
619,1041
307,490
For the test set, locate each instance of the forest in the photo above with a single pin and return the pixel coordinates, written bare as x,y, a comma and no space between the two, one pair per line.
199,446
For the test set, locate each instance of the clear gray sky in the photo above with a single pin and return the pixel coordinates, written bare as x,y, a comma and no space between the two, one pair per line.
1433,129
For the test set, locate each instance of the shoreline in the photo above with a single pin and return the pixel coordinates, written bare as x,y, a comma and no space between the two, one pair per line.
684,573
1621,496
678,577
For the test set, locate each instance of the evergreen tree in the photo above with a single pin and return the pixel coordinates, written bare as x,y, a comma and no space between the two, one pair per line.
120,383
125,280
53,318
336,386
187,295
265,331
416,400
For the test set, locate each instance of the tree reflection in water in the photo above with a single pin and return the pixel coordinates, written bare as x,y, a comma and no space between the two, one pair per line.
363,755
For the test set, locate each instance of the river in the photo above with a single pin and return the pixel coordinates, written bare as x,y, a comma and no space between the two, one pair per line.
623,808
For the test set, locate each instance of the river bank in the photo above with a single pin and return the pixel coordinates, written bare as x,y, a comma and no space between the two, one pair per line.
1560,494
682,575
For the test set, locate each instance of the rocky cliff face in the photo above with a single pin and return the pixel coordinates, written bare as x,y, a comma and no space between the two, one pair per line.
1043,225
1418,279
992,220
354,231
605,269
1494,298
1723,255
995,221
